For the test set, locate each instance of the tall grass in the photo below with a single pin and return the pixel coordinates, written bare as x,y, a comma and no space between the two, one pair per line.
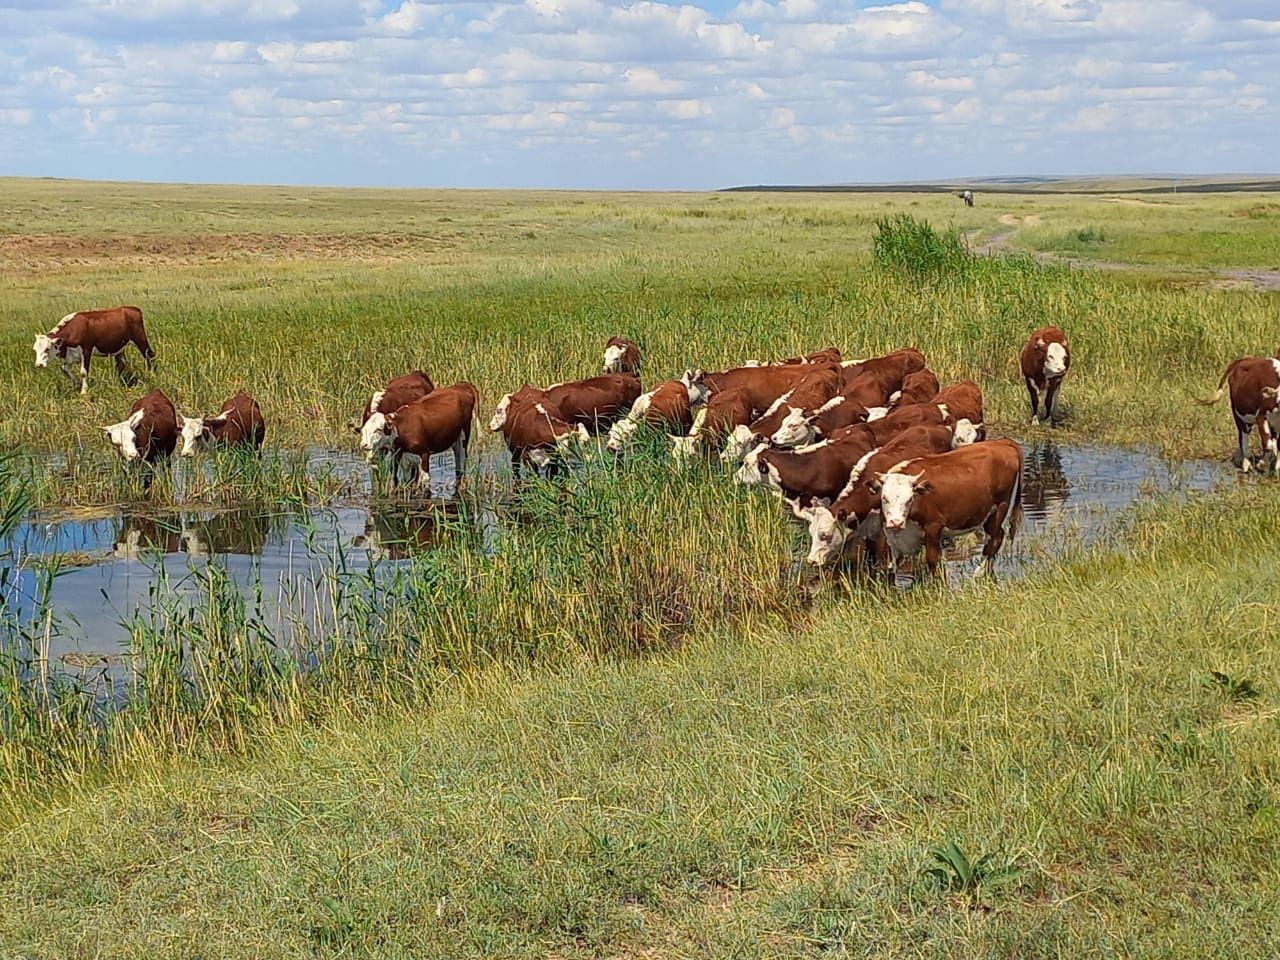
914,247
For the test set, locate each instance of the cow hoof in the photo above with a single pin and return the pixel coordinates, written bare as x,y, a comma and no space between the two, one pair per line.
1246,466
1035,421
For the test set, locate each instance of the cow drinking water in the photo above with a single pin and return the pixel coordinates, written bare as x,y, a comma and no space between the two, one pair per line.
149,433
435,423
239,423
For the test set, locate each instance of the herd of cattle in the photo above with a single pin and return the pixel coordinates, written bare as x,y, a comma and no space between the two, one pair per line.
871,453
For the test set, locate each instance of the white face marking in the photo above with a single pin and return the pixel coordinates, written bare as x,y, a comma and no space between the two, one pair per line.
540,458
122,435
1055,360
500,414
44,349
826,536
895,397
376,437
896,494
737,444
876,413
1275,365
942,409
192,432
698,391
794,430
613,359
749,472
620,434
964,434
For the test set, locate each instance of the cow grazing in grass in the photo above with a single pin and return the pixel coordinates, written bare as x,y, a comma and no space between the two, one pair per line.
149,433
78,336
239,423
1253,383
621,355
948,494
435,423
535,431
811,391
1045,361
668,405
595,403
854,514
723,413
918,387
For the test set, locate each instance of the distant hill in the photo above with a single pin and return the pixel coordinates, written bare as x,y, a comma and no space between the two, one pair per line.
1225,183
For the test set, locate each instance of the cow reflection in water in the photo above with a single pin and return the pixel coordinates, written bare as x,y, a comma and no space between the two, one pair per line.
1045,488
140,535
233,532
396,535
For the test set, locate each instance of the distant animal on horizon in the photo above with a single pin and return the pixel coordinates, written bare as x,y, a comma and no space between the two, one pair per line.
239,423
78,336
1045,361
1253,383
966,196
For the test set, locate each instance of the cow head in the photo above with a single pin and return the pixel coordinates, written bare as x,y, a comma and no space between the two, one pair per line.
613,357
965,433
897,491
755,469
796,429
736,445
620,435
500,414
123,436
827,535
697,387
197,433
377,436
1055,360
573,440
684,449
44,347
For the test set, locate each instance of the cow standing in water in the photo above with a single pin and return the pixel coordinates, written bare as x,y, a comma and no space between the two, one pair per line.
437,422
149,433
1045,361
1253,383
78,336
239,423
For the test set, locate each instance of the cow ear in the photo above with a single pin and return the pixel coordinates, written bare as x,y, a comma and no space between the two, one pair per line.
1040,342
923,486
875,486
1270,393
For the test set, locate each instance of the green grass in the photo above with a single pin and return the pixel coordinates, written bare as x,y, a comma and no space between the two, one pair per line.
768,793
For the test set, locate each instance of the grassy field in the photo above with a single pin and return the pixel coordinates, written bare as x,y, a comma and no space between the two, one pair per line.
625,730
767,793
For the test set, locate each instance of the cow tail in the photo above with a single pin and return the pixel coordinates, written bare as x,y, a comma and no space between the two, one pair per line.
1015,514
1217,394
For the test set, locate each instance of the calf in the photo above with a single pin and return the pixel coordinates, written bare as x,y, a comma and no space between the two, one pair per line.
401,390
621,355
669,404
435,423
1045,361
536,433
78,336
724,412
855,512
812,391
1253,383
918,387
149,433
239,422
963,401
948,494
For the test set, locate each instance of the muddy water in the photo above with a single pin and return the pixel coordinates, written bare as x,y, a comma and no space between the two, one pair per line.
112,565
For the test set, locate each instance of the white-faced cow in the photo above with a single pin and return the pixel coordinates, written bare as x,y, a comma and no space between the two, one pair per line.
668,405
724,412
817,472
854,514
78,336
239,423
963,401
1045,361
435,423
948,494
800,427
760,385
811,391
149,433
412,386
621,355
535,431
1253,383
595,403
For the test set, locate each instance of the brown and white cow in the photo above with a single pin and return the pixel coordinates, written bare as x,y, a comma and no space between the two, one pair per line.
412,386
963,401
854,513
621,355
238,423
78,336
891,368
1045,361
800,427
435,423
149,433
920,386
817,472
668,405
810,392
536,433
824,356
723,413
1253,383
595,403
761,385
972,488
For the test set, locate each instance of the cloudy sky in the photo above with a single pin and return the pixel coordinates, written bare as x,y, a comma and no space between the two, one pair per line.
588,93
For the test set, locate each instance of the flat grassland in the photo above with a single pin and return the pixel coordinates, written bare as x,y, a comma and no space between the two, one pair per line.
1103,732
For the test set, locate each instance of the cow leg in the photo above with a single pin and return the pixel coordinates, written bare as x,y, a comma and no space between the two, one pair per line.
1268,440
1034,394
994,528
84,370
1051,400
1241,457
459,458
933,553
119,359
424,472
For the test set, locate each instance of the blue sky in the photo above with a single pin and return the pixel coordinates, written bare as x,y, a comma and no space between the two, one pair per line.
587,93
